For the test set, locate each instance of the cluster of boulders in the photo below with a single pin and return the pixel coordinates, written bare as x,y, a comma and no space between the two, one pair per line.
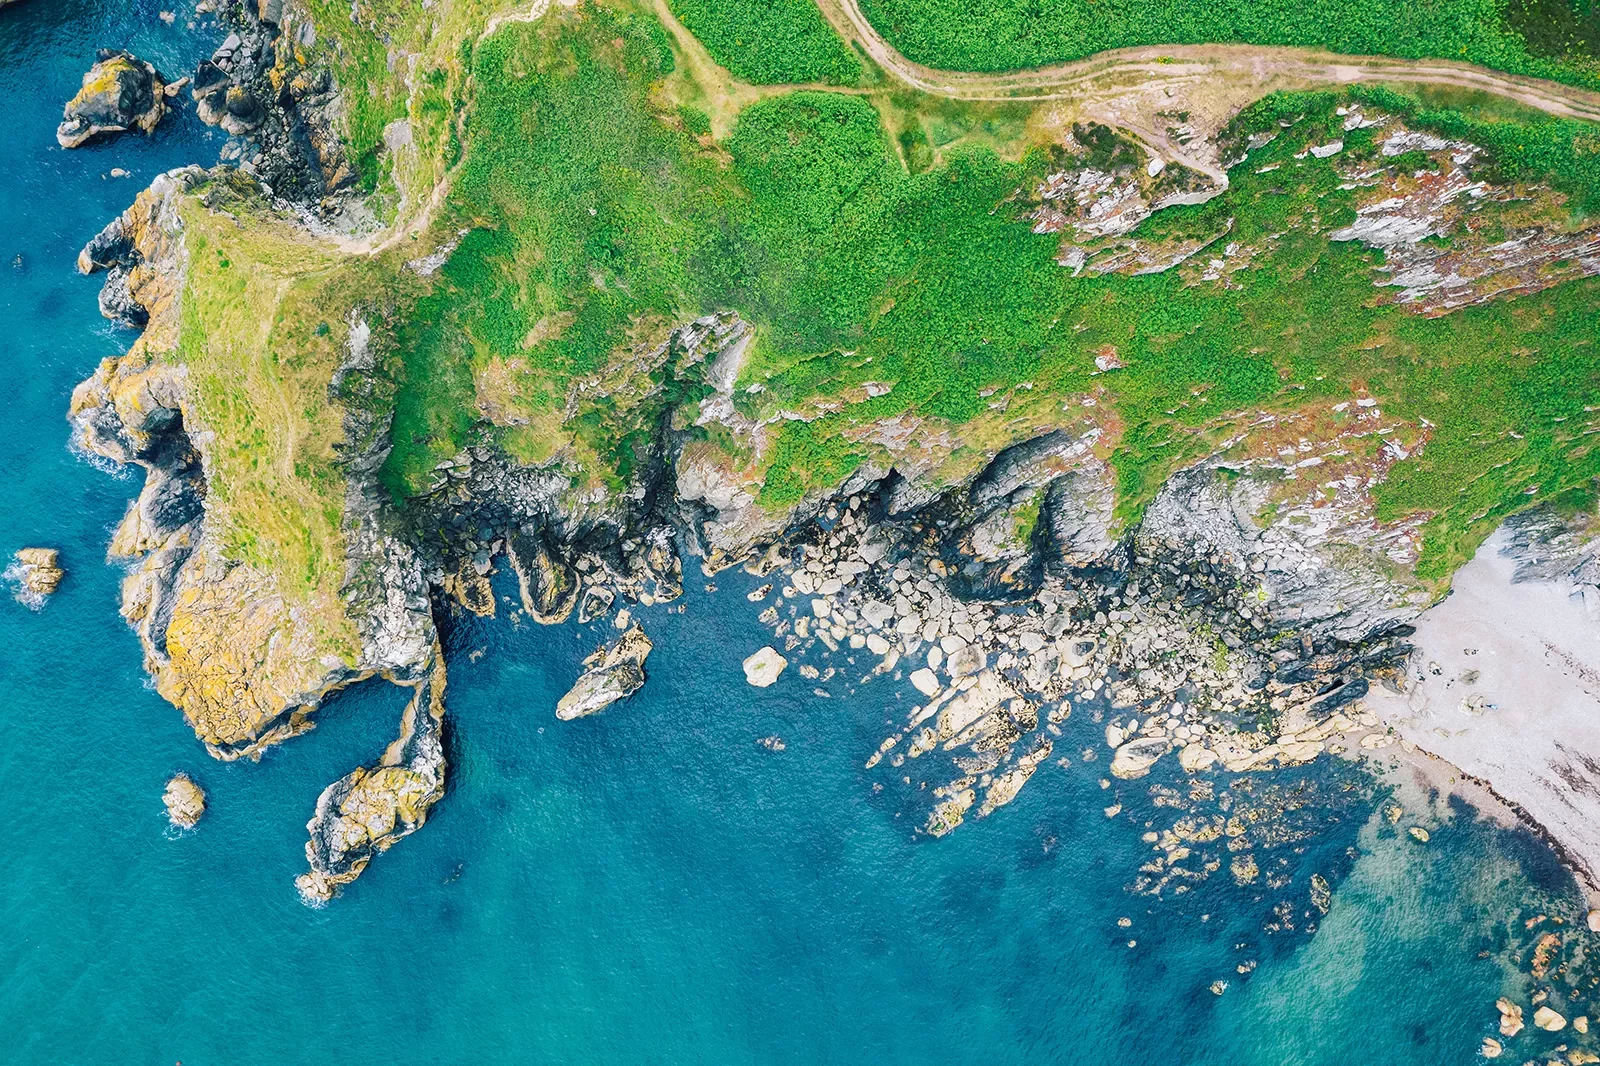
1169,643
254,86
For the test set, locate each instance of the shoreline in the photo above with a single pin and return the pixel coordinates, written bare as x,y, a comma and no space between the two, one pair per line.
1504,689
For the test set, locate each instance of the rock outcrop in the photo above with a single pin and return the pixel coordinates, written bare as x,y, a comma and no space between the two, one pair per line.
120,92
185,801
257,88
37,574
372,808
615,673
764,667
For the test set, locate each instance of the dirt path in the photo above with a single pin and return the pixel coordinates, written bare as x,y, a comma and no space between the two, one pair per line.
1141,89
1138,90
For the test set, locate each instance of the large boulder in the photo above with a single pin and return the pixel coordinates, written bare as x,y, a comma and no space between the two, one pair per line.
120,92
615,672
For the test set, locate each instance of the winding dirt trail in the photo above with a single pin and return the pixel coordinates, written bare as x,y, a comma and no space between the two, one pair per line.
1141,89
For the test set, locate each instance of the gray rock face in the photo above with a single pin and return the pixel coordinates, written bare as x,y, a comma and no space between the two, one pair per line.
1323,582
615,673
120,92
288,127
372,807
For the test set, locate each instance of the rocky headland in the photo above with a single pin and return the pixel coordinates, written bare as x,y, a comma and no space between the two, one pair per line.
1241,619
120,92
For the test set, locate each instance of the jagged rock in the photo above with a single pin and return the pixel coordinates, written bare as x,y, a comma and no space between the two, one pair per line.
548,585
1135,758
596,603
1333,579
372,808
763,668
615,672
37,573
1510,1017
185,801
120,92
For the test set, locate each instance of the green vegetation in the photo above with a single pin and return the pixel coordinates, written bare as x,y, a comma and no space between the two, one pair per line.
770,42
1544,38
601,222
259,350
876,240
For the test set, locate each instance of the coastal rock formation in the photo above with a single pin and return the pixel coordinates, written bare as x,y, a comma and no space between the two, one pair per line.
257,86
373,807
37,573
615,673
120,92
763,668
184,800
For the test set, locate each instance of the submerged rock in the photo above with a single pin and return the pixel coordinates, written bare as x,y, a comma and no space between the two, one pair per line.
371,808
37,573
615,672
763,668
185,801
120,92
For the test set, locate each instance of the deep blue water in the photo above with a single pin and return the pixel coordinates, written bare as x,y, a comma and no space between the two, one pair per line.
645,886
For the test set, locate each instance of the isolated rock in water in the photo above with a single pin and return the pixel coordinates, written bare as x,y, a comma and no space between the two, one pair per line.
615,672
763,668
120,92
37,573
1510,1017
185,801
1549,1020
1135,758
1491,1048
372,808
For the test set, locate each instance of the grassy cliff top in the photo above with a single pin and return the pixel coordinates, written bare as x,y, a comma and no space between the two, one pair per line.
607,184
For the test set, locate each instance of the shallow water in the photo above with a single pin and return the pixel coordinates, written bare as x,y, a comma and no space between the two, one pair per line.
648,885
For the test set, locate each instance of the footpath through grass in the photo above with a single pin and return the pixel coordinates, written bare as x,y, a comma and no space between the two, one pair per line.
1558,39
599,222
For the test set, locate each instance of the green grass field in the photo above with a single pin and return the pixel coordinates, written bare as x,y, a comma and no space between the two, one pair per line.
599,217
1547,38
770,42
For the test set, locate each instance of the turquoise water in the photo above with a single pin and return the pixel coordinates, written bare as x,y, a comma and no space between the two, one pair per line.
645,886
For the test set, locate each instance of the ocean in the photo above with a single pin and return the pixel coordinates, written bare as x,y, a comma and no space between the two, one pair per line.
649,885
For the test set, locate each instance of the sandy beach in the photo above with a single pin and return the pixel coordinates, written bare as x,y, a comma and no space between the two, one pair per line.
1505,686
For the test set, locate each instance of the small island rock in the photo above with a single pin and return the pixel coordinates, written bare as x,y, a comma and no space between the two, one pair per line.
185,801
615,672
1134,759
763,668
1548,1020
37,573
1510,1017
120,92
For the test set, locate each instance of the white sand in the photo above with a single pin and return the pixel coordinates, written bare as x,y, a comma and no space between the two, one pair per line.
1535,739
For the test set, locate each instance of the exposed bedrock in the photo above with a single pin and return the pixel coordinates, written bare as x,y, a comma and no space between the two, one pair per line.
120,92
614,673
371,808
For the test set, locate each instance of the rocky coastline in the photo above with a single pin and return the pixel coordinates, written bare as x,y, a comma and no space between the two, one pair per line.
1242,622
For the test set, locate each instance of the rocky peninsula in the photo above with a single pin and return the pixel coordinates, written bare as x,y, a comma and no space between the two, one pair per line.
1237,593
